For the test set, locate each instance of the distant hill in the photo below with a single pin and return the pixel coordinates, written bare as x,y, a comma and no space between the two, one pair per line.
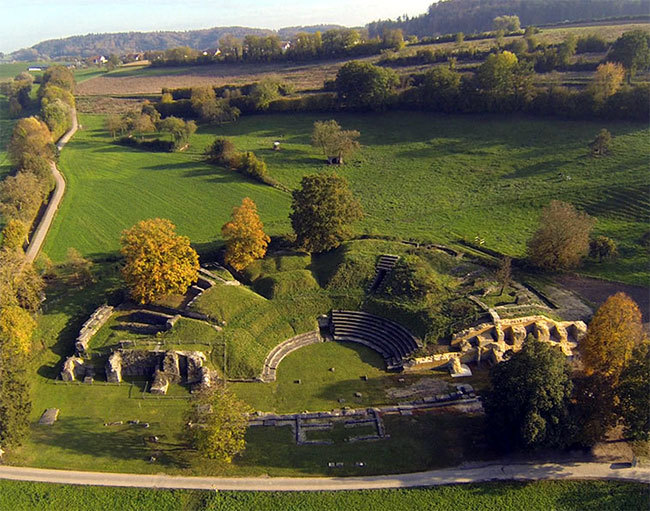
130,42
468,16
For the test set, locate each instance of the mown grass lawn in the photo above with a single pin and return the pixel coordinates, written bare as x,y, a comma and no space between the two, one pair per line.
536,496
423,176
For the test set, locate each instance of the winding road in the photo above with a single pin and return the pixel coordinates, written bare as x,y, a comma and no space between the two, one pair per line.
43,226
469,474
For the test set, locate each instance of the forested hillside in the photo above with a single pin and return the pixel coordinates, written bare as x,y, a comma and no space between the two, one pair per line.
131,42
468,16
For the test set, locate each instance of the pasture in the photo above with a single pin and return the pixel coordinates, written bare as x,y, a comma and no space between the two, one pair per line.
421,176
533,496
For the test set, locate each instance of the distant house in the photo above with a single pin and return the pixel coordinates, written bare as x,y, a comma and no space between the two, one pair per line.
36,68
286,45
97,60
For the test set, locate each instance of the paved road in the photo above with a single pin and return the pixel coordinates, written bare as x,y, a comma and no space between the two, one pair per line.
43,227
519,472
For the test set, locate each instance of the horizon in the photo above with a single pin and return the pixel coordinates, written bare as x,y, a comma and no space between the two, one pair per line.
32,22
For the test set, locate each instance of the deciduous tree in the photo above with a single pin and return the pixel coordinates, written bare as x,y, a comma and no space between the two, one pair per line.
322,211
364,85
30,136
335,142
527,405
16,329
218,424
634,392
632,50
20,196
14,235
20,284
244,235
158,262
612,334
607,80
562,239
15,404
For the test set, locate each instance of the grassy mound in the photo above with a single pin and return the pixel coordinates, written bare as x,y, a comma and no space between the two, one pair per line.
254,325
286,283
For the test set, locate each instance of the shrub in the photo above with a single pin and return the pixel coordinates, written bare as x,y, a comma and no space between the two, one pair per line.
221,152
155,145
603,248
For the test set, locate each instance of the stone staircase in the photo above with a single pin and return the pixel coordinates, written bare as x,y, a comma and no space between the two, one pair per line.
384,265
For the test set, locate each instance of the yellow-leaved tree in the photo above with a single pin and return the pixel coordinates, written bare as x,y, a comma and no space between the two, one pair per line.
159,262
244,235
613,332
16,329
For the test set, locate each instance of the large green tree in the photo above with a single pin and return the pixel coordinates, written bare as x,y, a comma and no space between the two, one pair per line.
218,424
527,405
632,50
634,393
322,211
365,86
15,404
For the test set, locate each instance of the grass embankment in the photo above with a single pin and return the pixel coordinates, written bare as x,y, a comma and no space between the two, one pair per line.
423,176
537,496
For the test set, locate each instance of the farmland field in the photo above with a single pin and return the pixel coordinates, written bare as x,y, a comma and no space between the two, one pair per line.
536,496
423,176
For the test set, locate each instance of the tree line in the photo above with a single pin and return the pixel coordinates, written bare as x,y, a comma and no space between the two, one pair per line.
304,46
31,152
470,16
503,83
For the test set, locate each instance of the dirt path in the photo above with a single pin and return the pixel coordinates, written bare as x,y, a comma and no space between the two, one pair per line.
470,474
596,291
43,227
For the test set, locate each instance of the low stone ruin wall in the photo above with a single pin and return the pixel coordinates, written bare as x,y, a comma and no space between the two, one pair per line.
163,367
91,327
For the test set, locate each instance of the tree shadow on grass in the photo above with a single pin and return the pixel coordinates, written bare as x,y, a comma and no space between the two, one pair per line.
120,442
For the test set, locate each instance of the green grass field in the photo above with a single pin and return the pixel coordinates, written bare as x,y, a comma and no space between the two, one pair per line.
537,496
422,176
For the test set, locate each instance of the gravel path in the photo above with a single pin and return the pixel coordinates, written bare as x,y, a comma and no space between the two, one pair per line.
471,474
43,227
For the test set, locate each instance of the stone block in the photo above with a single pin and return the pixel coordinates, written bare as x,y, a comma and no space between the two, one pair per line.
73,369
114,368
160,383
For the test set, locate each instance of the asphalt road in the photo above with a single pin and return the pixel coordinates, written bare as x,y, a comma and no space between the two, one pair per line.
43,227
471,474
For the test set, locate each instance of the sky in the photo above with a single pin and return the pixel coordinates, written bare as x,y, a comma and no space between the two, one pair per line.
24,23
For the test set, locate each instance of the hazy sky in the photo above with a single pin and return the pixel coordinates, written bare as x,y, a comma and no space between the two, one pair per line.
24,23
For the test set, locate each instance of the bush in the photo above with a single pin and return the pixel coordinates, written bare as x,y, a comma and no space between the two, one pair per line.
592,43
221,152
155,145
603,248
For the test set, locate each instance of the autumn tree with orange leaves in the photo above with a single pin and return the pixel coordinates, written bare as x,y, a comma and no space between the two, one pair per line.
159,262
613,332
244,235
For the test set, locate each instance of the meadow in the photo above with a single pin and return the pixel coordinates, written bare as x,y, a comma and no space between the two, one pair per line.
533,496
422,176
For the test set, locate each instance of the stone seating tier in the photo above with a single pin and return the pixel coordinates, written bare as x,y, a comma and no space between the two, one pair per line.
392,341
374,333
375,322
